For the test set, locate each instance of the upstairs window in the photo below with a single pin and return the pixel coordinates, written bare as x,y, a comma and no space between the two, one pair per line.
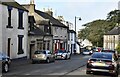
9,17
47,29
20,19
20,43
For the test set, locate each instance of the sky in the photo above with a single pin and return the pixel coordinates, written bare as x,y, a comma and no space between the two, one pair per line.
88,10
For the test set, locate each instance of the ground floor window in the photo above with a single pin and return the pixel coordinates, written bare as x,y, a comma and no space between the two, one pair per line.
20,44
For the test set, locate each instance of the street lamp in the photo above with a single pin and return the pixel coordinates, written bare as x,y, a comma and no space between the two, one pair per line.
76,33
75,22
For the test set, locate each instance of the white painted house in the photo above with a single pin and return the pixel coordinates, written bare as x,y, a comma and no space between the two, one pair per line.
71,43
13,29
112,38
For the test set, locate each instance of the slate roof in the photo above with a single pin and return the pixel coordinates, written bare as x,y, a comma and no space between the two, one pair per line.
38,31
14,4
54,21
114,31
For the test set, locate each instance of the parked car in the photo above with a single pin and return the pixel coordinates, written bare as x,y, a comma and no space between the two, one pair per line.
87,52
62,54
43,55
5,62
103,62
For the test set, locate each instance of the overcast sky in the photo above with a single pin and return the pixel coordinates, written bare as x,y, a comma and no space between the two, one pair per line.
88,10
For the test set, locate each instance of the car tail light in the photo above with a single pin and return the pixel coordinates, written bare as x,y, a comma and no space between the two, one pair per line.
90,61
109,63
34,56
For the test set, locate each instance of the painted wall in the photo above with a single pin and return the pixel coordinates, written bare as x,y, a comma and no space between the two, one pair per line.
111,41
0,28
14,32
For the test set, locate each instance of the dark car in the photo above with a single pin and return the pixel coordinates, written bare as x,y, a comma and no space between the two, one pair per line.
5,62
43,55
103,62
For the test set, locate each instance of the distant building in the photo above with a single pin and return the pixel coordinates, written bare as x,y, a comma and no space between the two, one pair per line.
13,29
86,43
112,38
71,41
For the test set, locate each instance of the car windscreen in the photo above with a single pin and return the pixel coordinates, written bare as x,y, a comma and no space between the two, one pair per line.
60,51
40,52
86,51
102,56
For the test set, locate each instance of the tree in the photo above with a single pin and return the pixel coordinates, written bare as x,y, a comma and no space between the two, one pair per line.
95,30
118,48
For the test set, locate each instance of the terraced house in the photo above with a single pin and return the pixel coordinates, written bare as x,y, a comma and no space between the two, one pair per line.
112,38
13,29
48,33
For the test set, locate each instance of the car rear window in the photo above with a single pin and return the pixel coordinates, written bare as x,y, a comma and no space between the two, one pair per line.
108,51
101,55
40,52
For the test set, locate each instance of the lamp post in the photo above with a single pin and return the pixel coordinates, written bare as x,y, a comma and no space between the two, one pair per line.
75,22
76,33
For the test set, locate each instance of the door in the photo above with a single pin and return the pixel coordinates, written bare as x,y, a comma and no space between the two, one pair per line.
8,51
32,48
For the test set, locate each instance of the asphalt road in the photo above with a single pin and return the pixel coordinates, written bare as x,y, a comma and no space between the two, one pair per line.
72,67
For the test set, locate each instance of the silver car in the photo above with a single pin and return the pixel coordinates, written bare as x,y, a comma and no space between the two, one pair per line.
43,55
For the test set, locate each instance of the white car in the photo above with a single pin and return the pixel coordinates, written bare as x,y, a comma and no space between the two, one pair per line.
62,54
87,52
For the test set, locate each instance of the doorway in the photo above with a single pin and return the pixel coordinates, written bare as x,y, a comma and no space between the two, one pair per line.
8,51
32,48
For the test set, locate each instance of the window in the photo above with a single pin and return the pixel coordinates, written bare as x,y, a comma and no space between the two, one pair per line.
44,45
20,19
9,17
47,29
48,45
20,42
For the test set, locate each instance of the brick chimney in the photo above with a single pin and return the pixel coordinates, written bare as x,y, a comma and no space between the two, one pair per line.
32,8
49,11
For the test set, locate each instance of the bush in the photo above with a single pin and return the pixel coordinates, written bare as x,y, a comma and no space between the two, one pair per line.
118,48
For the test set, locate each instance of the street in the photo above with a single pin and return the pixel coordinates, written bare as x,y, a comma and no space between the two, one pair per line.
74,66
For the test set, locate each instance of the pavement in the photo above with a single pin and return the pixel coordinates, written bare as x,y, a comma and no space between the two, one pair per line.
20,61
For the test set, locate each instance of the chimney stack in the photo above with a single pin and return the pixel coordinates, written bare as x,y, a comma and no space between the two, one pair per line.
49,11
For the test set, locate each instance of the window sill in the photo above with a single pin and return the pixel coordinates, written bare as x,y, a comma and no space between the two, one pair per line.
20,28
20,51
9,26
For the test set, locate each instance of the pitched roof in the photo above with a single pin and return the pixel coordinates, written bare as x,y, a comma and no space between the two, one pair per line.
38,31
54,21
14,4
114,31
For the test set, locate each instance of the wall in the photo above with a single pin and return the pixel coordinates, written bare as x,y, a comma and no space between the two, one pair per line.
110,41
14,32
0,28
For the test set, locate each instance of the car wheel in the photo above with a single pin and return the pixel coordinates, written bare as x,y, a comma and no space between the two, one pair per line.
6,67
48,60
115,74
69,57
66,57
33,62
87,72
